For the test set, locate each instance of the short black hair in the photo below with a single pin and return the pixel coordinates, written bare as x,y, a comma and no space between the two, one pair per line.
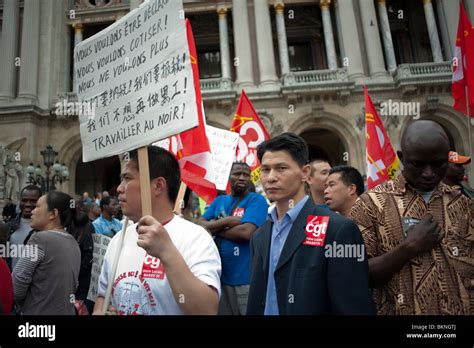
289,142
317,160
163,164
240,164
349,176
104,201
31,187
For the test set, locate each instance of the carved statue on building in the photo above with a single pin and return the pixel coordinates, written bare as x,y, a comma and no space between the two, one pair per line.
11,175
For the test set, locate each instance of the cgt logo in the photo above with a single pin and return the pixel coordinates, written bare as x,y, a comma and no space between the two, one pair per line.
239,212
316,228
152,261
152,268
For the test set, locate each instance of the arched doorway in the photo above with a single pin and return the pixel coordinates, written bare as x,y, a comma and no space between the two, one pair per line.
97,176
323,143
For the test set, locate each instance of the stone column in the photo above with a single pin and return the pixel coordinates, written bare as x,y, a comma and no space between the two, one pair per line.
281,34
372,39
328,35
243,57
78,29
432,31
443,30
448,15
29,50
266,56
350,40
8,48
224,42
386,35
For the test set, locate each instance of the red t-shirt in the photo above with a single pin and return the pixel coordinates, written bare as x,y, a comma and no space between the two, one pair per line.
6,287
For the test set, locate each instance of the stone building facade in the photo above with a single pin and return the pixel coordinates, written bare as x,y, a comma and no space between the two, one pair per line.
302,63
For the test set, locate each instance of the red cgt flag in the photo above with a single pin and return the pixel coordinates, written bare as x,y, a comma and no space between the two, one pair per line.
382,162
191,147
463,64
252,133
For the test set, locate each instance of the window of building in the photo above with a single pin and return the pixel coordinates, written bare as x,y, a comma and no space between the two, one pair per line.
209,63
206,36
410,36
305,38
301,56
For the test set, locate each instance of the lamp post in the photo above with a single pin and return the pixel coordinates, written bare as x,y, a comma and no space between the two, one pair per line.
59,174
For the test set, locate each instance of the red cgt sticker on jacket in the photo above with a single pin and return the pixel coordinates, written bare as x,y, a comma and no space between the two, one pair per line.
152,268
316,228
239,212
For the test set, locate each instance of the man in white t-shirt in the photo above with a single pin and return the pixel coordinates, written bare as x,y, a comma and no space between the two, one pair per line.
167,265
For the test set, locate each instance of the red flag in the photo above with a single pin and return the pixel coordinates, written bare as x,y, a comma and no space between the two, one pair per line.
191,147
382,162
463,74
252,132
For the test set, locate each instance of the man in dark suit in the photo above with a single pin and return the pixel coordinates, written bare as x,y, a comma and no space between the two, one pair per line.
304,259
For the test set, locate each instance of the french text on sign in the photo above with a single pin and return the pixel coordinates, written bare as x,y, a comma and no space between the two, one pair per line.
137,74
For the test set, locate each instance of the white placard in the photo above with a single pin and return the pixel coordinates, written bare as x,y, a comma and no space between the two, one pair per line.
223,144
136,76
101,243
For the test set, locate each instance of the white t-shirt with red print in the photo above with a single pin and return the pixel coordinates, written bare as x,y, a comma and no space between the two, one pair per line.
141,286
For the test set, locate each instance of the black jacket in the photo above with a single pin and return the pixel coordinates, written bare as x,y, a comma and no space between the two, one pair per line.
307,282
9,211
86,245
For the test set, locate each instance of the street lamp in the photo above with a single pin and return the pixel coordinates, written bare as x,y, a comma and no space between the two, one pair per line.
59,175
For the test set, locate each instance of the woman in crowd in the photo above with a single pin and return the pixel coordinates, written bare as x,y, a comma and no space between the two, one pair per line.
45,283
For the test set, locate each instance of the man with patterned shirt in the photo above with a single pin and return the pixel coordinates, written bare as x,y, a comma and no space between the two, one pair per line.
419,232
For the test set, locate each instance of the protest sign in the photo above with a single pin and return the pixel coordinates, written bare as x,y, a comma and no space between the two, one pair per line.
136,77
101,243
223,144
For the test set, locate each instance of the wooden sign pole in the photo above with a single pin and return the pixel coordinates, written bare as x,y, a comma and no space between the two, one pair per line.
179,204
145,191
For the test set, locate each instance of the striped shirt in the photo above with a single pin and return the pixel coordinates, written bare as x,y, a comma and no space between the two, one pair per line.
45,283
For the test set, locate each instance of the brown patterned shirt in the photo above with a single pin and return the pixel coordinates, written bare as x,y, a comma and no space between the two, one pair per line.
439,281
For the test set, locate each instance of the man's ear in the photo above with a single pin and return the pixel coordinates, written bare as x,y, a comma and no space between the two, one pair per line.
306,172
352,189
158,186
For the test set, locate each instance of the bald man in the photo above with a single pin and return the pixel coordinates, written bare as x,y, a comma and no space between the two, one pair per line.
419,232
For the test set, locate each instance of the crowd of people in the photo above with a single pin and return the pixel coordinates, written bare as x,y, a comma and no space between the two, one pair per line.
52,275
316,241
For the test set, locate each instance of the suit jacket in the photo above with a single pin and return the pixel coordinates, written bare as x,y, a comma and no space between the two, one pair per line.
307,282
